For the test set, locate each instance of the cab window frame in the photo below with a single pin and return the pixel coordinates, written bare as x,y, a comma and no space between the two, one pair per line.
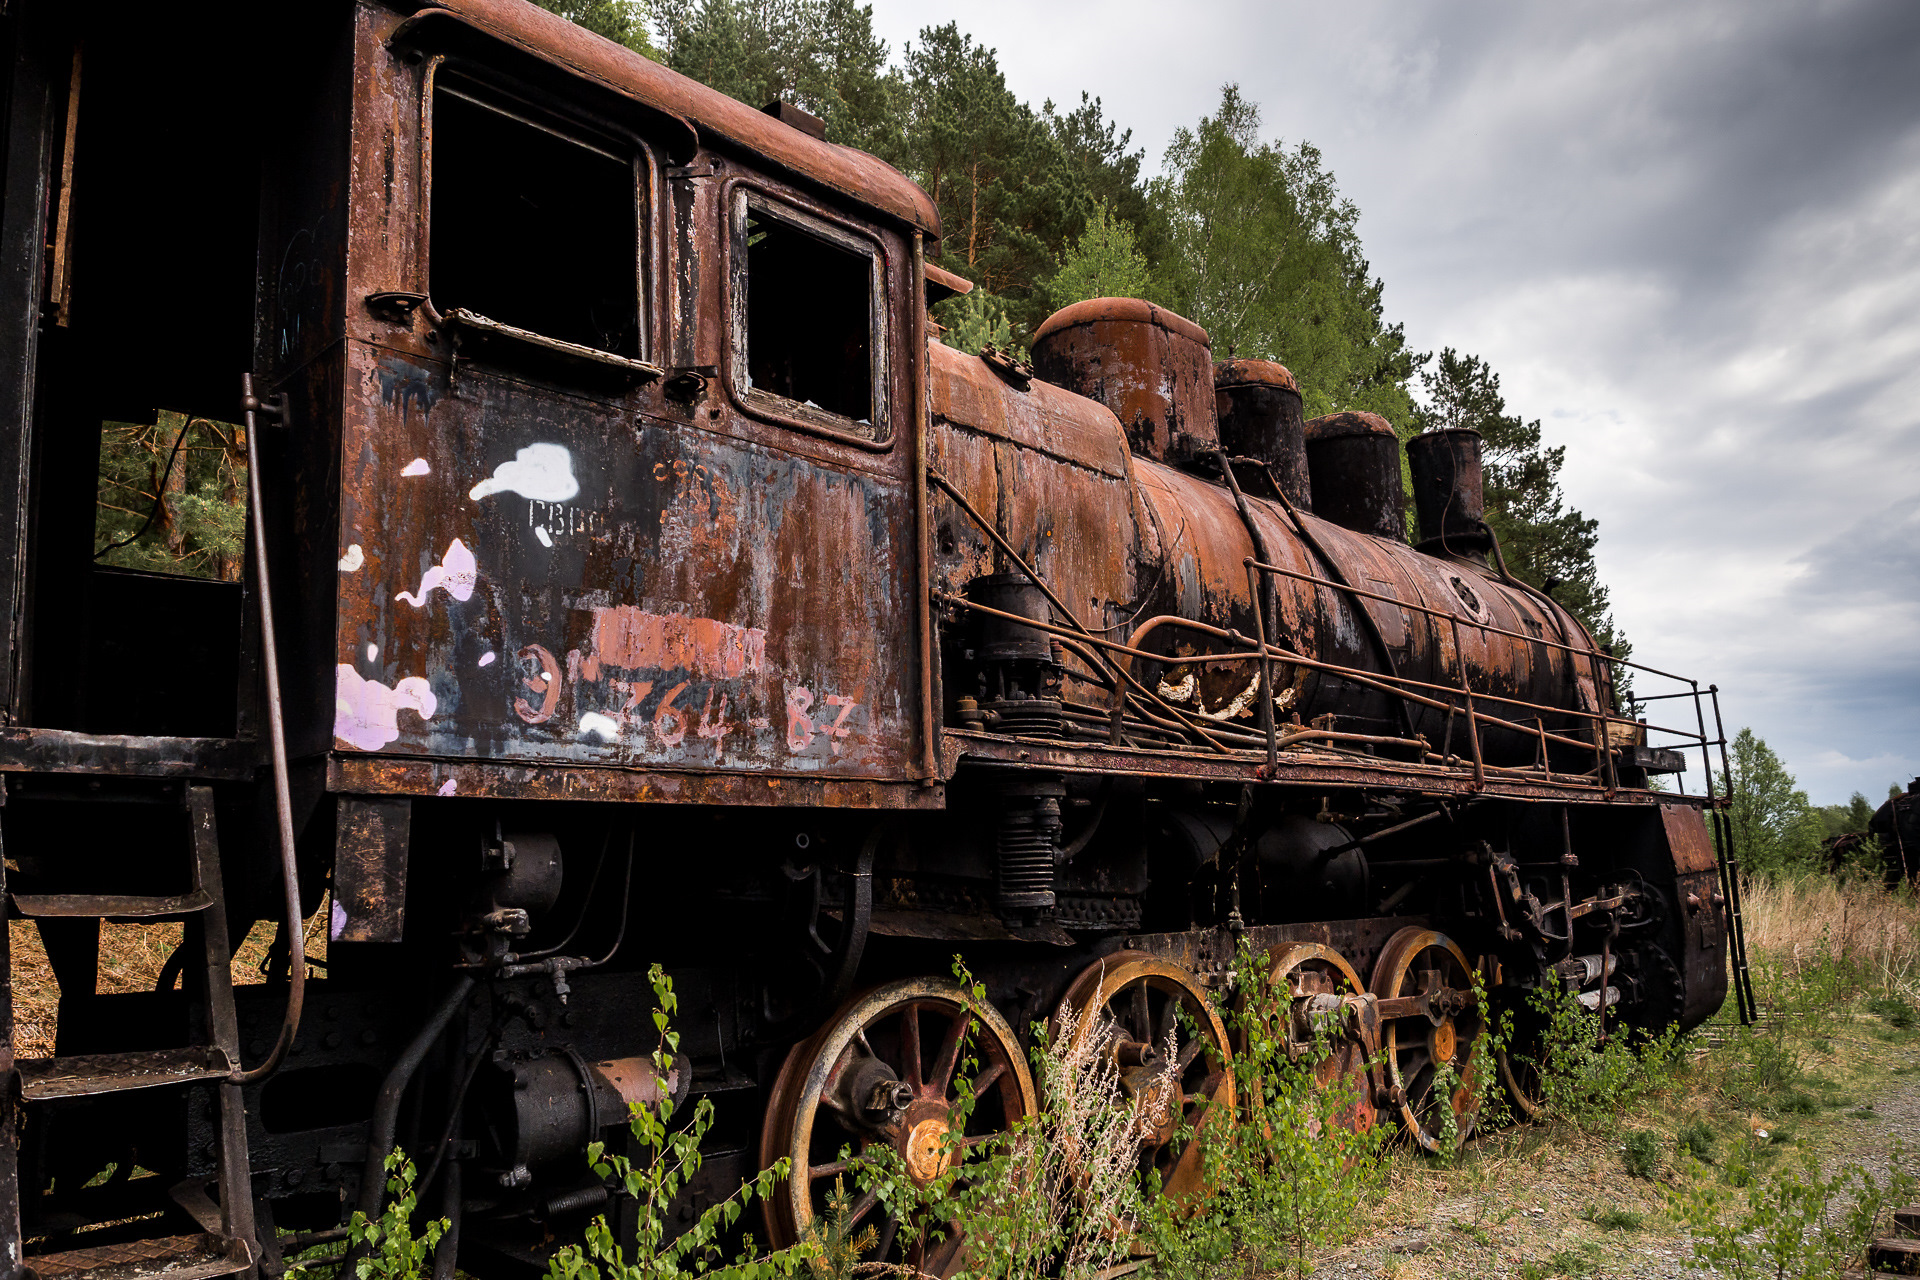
743,197
480,86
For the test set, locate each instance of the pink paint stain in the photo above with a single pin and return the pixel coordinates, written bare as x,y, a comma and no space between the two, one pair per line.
366,713
624,636
418,467
455,574
449,787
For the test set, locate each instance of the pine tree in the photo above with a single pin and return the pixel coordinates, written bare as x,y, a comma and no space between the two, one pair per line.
1544,542
621,21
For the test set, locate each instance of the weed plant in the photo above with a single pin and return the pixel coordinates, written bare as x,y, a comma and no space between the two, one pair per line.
1797,1224
394,1252
1291,1175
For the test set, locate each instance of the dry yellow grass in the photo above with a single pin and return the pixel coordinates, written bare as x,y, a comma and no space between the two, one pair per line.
1796,923
131,957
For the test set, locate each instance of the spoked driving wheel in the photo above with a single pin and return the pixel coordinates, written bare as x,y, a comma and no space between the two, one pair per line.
1430,1020
1309,984
1171,1051
1524,1049
886,1071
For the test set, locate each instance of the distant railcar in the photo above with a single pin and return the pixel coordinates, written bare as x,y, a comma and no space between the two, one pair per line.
631,580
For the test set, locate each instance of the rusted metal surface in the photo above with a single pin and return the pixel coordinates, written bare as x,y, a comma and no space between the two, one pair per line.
675,575
722,121
1355,461
1447,497
370,869
24,750
1153,368
1260,414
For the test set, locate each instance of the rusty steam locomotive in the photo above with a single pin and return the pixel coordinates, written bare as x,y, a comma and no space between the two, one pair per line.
632,579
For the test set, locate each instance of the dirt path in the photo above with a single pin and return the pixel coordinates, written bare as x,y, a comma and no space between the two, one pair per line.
1549,1201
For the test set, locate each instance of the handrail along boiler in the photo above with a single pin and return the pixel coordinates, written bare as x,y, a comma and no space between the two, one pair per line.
632,577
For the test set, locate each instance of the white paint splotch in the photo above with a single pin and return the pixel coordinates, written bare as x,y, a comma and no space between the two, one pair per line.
593,724
354,558
541,472
450,787
418,467
455,574
366,713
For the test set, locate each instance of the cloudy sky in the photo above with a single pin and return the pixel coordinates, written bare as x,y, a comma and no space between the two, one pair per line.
1688,238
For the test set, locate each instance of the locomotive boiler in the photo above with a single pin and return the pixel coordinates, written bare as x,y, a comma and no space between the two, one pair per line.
633,578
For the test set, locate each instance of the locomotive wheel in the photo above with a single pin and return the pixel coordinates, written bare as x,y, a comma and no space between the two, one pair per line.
884,1071
1518,1061
1144,997
1429,1020
1297,973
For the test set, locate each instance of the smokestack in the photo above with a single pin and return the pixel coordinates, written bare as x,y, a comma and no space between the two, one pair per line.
1153,368
1353,460
1258,405
1447,493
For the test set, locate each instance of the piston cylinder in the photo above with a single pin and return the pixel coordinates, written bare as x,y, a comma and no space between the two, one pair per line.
1447,494
1259,408
1354,462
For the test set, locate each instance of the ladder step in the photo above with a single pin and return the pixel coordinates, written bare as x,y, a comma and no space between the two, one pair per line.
1906,1222
111,905
172,1257
42,1079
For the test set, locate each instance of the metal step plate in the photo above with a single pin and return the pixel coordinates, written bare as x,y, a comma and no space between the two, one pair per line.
44,1078
174,1257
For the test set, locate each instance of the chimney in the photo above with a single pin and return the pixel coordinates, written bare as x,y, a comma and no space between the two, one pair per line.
1153,368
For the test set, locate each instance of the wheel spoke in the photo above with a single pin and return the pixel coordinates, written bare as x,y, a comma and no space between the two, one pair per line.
831,1169
861,1208
988,1078
884,1244
1189,1053
1143,1018
949,1055
910,1045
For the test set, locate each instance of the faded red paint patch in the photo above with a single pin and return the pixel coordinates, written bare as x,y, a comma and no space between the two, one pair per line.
624,636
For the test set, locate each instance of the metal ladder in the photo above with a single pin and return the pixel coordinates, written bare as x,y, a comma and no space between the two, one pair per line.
225,1245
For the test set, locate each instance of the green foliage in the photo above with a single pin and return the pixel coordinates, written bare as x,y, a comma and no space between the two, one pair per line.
622,21
1290,1175
1797,1223
1614,1217
1584,1079
1264,253
974,322
1640,1152
1105,262
393,1251
1696,1140
819,55
670,1157
1895,1010
195,494
1775,830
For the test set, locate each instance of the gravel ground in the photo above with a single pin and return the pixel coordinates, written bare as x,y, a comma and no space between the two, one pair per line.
1528,1198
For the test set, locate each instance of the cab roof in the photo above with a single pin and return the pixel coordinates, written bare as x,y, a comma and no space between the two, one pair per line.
718,120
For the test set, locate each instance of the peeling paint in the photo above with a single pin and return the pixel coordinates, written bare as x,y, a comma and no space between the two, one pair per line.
450,787
543,472
354,558
624,636
418,467
455,574
366,712
596,725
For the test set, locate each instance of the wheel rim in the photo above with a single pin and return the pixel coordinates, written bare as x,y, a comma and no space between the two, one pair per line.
1296,973
1142,994
1416,1045
1519,1060
902,1041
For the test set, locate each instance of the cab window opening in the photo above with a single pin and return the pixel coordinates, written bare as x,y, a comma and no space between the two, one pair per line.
810,316
533,228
